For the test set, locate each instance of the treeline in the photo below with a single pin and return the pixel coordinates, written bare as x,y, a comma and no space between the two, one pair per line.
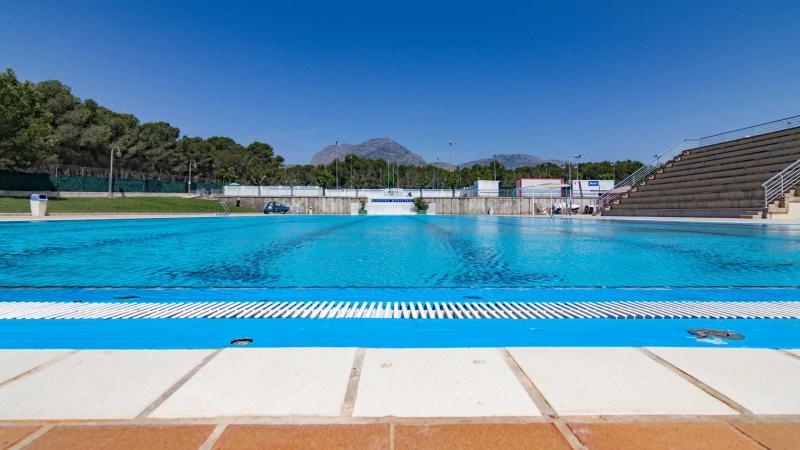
43,124
355,172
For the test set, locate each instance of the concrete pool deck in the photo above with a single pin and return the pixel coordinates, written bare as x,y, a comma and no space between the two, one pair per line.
531,397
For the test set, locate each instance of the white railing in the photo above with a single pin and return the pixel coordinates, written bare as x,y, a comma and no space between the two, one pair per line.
780,183
687,144
221,209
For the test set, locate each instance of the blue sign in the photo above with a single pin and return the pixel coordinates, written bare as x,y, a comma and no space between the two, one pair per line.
594,183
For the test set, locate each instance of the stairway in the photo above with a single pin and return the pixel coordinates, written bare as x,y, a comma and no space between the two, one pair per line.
721,180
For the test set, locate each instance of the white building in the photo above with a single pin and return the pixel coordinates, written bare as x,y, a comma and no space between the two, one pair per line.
591,188
485,188
538,187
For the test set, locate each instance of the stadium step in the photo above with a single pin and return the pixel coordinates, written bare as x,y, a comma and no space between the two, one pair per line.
721,180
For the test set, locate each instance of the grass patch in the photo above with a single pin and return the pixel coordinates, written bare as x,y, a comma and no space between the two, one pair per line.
120,205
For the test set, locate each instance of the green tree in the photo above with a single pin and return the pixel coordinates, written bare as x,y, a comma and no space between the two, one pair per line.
25,131
324,179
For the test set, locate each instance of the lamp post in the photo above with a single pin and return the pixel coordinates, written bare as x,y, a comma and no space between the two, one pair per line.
337,164
114,151
192,163
569,175
450,161
577,178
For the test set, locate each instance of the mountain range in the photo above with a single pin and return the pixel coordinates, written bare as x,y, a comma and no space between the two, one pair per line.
376,148
388,150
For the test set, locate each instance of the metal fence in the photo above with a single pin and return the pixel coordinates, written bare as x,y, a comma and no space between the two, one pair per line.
562,195
69,181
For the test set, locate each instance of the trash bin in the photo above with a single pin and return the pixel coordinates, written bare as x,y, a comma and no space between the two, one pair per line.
38,205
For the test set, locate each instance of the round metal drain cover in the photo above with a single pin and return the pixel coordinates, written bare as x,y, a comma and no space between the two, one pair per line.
703,333
242,341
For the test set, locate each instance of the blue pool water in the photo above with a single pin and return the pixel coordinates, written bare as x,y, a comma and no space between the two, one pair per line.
395,252
400,258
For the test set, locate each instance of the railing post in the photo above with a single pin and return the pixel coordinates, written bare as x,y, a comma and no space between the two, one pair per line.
766,199
783,190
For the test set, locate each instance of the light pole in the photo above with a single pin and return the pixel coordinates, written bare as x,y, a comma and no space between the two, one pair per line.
337,164
451,153
192,164
435,174
578,174
569,177
114,151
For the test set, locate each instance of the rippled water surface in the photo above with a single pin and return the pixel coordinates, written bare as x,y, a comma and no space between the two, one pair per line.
395,252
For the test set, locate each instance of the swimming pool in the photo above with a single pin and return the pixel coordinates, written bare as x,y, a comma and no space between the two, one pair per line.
447,259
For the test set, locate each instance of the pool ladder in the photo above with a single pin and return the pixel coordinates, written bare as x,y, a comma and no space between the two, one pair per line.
221,209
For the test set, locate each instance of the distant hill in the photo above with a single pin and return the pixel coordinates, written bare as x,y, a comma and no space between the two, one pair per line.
377,148
512,161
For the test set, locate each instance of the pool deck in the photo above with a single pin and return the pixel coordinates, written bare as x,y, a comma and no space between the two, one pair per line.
532,397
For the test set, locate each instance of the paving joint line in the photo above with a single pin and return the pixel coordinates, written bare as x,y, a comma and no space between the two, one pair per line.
39,368
540,401
788,353
748,436
533,392
212,438
698,383
351,393
31,438
178,384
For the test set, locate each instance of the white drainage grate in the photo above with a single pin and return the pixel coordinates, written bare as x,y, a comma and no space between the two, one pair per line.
400,310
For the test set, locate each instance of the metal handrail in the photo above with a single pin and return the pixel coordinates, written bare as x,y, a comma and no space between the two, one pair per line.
223,209
687,144
780,183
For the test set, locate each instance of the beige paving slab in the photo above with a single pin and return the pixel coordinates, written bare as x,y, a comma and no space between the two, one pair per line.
16,362
762,380
454,382
97,384
611,381
265,382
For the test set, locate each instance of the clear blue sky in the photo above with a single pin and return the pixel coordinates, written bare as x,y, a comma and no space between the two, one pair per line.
610,80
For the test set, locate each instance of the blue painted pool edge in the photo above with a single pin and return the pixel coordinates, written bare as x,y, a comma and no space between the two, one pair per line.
378,333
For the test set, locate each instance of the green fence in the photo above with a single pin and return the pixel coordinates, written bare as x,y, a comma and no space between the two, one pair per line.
20,181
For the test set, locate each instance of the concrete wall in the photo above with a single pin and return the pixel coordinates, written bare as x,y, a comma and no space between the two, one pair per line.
446,205
300,205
